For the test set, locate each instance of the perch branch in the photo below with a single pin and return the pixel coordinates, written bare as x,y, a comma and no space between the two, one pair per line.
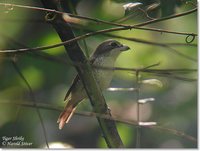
85,72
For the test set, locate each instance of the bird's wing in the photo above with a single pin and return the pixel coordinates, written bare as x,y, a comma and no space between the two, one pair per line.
75,81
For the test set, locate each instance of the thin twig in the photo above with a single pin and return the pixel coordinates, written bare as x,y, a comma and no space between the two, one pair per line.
105,116
16,118
108,30
138,128
33,99
169,73
95,33
123,37
155,44
137,26
166,18
158,72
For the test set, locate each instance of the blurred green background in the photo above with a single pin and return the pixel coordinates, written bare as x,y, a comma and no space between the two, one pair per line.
175,104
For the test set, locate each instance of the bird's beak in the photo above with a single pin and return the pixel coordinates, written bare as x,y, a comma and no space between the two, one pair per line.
124,48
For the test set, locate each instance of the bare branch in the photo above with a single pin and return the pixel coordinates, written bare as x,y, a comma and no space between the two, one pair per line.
33,99
95,33
137,26
116,118
170,73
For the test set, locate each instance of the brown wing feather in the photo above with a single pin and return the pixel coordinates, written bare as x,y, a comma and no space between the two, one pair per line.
76,79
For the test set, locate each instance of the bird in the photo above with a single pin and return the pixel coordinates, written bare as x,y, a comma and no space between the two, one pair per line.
105,55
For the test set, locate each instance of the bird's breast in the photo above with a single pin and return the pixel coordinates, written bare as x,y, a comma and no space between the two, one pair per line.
103,76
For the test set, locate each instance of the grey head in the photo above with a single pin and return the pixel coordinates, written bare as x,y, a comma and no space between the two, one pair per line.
107,46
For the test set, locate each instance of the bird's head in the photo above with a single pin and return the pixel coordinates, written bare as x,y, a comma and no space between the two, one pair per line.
110,48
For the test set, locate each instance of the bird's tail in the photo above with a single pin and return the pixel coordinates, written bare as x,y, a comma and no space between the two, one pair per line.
66,115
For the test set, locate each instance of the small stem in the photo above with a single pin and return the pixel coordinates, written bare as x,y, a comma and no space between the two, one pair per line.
33,100
53,107
72,40
136,26
138,132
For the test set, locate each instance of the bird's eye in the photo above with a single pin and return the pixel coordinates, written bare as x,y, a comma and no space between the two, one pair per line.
114,44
